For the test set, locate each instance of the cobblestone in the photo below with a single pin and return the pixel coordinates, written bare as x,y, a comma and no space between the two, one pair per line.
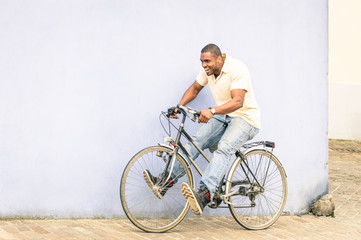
345,179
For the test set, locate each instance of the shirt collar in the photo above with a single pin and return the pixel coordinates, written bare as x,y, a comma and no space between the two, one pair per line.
225,67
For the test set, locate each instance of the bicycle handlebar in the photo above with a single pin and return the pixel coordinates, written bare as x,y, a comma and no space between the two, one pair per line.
183,110
190,110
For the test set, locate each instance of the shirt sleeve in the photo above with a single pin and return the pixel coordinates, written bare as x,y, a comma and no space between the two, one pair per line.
240,78
202,78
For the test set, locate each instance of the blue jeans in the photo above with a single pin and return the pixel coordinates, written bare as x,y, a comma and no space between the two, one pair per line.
230,133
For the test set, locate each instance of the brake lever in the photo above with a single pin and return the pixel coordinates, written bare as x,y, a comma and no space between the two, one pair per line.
195,118
195,114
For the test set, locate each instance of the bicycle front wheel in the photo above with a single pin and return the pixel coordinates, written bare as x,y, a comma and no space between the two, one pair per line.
262,189
143,208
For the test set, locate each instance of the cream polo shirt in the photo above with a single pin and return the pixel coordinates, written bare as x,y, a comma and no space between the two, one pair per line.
234,75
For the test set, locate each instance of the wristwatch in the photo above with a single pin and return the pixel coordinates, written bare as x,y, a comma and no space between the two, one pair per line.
212,110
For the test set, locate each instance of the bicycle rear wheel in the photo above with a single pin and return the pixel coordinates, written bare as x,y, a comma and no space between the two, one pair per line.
140,204
262,189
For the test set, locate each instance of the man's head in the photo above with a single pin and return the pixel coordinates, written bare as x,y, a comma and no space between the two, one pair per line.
211,58
212,48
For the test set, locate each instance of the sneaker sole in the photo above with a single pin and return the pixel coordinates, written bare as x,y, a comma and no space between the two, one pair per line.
189,195
151,185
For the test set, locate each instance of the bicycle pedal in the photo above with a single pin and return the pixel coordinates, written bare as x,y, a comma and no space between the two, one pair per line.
215,204
212,205
216,201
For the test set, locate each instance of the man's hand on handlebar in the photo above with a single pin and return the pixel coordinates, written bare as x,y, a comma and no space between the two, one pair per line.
172,112
203,116
206,114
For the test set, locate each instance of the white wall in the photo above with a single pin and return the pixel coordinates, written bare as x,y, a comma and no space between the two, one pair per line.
345,75
82,84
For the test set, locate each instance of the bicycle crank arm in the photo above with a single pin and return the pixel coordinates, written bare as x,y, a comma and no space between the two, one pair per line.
239,205
226,196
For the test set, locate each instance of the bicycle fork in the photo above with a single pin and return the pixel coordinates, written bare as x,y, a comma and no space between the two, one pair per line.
166,180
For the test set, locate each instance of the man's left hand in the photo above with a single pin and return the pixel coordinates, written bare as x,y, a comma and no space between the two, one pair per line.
206,114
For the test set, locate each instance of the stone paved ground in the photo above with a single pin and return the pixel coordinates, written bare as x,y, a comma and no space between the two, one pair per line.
345,179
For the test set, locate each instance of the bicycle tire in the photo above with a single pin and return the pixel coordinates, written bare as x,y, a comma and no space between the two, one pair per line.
269,204
141,206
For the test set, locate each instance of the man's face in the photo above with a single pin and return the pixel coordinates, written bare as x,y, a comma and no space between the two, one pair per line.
211,64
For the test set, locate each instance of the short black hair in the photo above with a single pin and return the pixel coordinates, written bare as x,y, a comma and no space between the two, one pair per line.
212,48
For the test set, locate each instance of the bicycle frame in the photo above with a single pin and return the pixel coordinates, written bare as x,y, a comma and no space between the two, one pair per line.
177,144
220,195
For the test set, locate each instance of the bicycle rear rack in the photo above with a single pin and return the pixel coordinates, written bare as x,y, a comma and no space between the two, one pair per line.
260,143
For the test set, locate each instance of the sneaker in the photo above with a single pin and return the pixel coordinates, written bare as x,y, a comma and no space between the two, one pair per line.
155,184
197,200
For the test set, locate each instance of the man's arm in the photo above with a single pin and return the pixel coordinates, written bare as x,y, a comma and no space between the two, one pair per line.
232,105
191,93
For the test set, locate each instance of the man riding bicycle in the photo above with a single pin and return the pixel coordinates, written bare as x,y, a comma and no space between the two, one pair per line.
235,120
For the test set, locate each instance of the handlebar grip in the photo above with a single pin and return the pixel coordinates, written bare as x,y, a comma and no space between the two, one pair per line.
171,111
182,109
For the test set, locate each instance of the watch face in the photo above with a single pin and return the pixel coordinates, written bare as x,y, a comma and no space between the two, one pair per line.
213,111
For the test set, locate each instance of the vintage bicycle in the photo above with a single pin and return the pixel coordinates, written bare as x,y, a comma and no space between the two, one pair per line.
254,190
